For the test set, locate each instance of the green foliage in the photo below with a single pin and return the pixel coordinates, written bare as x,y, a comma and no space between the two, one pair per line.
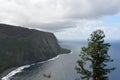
94,58
47,75
10,51
20,46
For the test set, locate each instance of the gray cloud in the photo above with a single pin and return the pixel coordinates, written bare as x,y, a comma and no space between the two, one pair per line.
53,27
92,8
54,15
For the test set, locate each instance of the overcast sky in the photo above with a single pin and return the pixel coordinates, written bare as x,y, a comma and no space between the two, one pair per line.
67,19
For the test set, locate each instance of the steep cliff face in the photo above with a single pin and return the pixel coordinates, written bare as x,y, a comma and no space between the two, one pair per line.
20,46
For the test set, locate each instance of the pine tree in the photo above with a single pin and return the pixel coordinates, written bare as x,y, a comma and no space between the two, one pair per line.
94,58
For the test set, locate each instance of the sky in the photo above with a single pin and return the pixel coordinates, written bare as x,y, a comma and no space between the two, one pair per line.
67,19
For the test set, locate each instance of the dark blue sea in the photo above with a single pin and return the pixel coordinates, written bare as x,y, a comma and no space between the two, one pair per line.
63,67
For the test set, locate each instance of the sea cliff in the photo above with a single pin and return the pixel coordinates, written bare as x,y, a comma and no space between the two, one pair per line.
20,46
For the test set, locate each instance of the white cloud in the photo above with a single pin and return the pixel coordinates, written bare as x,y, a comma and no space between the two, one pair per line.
57,15
47,11
84,28
94,8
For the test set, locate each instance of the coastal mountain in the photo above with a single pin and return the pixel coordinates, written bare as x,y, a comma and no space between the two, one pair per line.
21,46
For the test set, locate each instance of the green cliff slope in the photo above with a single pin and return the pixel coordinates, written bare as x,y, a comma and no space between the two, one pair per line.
20,46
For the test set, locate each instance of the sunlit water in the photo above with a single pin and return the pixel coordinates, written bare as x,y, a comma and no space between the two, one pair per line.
62,68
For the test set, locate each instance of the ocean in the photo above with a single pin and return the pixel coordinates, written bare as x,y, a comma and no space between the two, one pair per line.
62,67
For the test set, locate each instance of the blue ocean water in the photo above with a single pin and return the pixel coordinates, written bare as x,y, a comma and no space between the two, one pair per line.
62,68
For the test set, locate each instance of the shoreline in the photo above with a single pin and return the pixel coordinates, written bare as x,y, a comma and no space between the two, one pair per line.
6,72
